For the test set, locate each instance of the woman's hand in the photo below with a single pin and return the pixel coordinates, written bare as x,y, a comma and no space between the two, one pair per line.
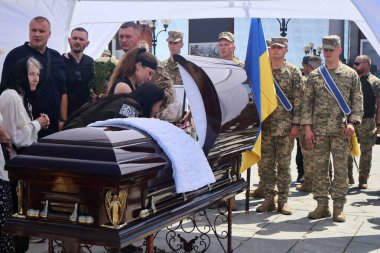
5,139
44,121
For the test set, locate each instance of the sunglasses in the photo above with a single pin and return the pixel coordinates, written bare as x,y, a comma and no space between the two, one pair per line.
357,63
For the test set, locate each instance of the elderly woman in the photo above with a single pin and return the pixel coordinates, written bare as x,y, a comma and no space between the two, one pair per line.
16,107
138,66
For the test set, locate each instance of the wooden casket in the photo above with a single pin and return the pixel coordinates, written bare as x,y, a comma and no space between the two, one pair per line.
112,186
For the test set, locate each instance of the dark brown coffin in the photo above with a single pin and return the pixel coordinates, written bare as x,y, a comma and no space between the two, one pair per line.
78,167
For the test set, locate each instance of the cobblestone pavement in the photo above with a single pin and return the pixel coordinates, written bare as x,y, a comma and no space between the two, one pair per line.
273,232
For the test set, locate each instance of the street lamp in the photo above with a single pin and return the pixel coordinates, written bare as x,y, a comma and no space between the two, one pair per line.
283,26
152,25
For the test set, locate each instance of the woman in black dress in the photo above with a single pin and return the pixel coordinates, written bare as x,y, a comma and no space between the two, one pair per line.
137,66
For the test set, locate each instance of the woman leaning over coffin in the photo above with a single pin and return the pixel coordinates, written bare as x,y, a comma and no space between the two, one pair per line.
16,105
144,102
137,66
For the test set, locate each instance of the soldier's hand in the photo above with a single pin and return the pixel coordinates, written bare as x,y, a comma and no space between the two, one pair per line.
349,130
309,137
294,132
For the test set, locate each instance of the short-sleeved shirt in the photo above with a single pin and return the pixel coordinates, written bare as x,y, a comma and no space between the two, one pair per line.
51,86
371,93
78,79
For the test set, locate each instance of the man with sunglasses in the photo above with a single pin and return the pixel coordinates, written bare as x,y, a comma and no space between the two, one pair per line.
326,128
366,131
280,129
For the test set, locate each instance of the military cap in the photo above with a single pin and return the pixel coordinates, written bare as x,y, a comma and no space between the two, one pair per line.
279,41
330,42
267,42
227,36
106,53
174,36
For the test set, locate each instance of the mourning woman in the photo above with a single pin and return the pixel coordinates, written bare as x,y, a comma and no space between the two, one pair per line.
138,66
144,101
16,107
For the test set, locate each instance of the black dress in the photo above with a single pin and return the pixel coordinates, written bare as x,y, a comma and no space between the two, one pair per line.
122,79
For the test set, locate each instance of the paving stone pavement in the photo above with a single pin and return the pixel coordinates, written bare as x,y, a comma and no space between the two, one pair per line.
273,232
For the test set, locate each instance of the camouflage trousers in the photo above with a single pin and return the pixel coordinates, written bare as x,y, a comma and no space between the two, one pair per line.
340,149
308,159
275,165
366,133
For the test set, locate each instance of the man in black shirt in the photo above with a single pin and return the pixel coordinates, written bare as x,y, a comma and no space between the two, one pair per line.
79,71
51,89
366,131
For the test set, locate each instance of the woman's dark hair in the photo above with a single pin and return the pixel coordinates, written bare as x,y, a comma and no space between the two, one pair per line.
143,99
147,95
127,65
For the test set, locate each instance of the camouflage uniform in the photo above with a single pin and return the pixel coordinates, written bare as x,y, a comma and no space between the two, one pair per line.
366,133
238,62
162,78
276,146
321,110
307,153
172,111
173,71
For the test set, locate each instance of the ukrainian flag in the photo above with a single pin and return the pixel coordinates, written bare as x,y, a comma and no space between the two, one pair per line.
259,72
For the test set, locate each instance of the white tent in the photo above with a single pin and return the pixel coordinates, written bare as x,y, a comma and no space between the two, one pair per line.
102,18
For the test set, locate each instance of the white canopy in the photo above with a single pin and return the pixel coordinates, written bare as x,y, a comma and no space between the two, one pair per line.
102,18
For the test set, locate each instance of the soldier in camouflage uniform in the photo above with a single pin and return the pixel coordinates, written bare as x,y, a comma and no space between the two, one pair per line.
279,131
366,131
129,35
175,44
325,130
226,45
312,63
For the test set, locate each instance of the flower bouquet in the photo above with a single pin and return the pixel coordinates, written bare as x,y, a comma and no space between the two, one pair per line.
103,68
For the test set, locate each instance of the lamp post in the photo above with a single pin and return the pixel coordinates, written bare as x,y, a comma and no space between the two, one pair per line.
283,26
152,25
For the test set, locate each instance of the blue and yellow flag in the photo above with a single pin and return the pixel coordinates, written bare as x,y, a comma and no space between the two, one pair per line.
259,72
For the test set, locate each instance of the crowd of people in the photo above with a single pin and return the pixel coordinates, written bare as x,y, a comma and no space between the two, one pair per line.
43,92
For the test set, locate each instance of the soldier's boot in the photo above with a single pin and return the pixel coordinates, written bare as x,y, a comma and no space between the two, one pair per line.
306,186
284,208
351,179
321,211
258,193
338,214
267,206
363,182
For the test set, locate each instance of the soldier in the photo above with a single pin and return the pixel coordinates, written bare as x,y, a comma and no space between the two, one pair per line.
325,129
226,47
366,131
175,44
280,129
312,63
